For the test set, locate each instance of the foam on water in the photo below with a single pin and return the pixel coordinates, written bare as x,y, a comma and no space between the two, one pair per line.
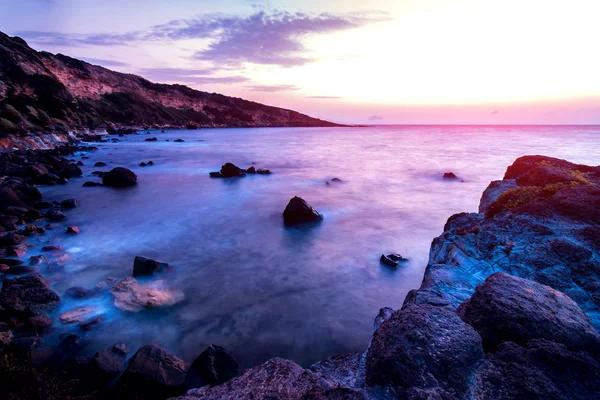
252,285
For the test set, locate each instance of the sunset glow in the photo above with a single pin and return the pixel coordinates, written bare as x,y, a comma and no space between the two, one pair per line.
436,61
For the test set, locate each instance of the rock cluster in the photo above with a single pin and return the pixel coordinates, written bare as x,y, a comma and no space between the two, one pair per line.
229,170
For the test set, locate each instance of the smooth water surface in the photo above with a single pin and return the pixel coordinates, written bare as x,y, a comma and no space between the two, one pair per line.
252,285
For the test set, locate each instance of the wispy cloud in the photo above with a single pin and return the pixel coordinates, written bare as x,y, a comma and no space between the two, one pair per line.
272,88
376,118
271,38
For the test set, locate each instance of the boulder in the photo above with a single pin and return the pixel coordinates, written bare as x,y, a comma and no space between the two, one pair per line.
213,366
72,230
261,171
153,373
76,315
508,308
37,260
55,216
69,203
230,170
179,140
119,177
152,139
109,362
450,175
77,292
70,171
11,239
391,260
100,164
143,266
29,295
299,211
12,197
131,295
251,170
424,347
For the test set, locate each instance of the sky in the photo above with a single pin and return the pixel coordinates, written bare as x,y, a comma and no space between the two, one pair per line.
348,61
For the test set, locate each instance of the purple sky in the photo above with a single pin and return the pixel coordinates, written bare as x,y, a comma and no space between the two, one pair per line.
411,61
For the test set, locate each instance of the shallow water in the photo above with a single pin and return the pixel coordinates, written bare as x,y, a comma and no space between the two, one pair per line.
252,285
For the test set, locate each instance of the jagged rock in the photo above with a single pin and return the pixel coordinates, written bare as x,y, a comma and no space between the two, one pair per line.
214,366
131,295
275,379
143,266
423,346
30,295
299,211
119,177
153,373
109,362
339,370
508,308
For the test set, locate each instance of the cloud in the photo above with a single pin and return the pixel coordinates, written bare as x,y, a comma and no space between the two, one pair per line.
189,76
104,63
375,118
271,38
495,112
324,97
272,88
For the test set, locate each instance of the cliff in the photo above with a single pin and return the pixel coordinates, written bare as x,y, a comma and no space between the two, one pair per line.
42,92
508,308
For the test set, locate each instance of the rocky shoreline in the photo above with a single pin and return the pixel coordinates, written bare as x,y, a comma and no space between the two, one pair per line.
510,300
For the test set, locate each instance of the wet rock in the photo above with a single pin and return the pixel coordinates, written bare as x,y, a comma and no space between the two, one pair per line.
229,170
70,171
131,295
77,292
89,324
339,370
72,230
91,184
79,163
69,203
119,177
21,270
275,379
11,262
261,171
12,197
52,248
70,344
215,175
391,260
37,260
299,211
336,180
425,347
213,366
143,164
143,266
152,139
16,251
32,214
11,239
32,230
100,164
40,323
109,362
42,205
9,222
153,373
450,175
178,140
508,308
150,162
30,295
55,216
251,170
76,315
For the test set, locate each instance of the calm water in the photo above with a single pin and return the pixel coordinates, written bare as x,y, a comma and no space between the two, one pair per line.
250,284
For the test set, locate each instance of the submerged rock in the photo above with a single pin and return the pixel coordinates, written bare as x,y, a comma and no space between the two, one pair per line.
100,164
143,266
119,177
76,315
153,373
131,295
391,260
261,171
30,295
298,211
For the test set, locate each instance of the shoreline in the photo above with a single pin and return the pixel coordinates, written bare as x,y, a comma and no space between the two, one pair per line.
445,286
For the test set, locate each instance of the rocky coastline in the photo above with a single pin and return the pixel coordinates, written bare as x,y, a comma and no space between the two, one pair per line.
509,306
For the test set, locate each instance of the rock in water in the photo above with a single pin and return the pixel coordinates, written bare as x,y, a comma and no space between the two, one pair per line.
131,295
391,260
299,211
119,177
450,175
153,373
30,295
214,366
143,266
230,170
73,230
507,308
427,347
251,170
69,203
109,362
261,171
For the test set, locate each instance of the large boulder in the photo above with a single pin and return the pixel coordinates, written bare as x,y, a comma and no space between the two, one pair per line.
508,308
28,295
143,266
424,347
131,295
229,170
119,177
298,211
213,366
109,362
153,373
275,379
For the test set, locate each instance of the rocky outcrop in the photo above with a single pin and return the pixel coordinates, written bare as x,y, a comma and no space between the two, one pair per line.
298,211
28,295
40,92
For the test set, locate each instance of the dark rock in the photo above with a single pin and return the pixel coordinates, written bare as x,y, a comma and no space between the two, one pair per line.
91,184
37,260
12,197
299,211
77,292
33,214
43,356
450,175
30,295
100,164
336,180
150,162
109,362
261,171
179,140
69,203
42,205
16,251
40,323
9,222
423,346
55,216
251,170
11,239
391,260
215,175
26,344
32,230
143,266
52,248
72,230
70,344
507,308
230,170
79,163
89,324
10,262
22,270
119,177
153,373
213,366
70,171
339,370
143,164
152,139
